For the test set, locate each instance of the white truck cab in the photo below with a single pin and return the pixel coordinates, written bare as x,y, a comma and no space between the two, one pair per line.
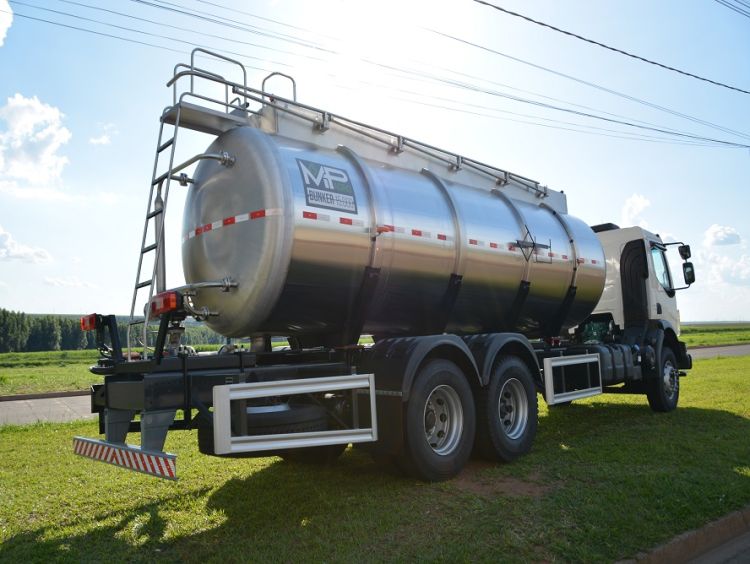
639,284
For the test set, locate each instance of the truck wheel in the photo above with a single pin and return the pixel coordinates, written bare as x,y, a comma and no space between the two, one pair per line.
439,424
507,412
664,391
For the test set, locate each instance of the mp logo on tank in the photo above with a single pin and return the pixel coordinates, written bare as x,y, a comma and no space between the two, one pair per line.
327,187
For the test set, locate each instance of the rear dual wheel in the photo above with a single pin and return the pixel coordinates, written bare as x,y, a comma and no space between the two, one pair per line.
440,423
507,412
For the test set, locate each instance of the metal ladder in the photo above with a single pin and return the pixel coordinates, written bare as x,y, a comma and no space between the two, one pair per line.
155,212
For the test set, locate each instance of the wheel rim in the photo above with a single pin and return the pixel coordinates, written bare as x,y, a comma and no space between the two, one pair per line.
671,379
443,420
513,409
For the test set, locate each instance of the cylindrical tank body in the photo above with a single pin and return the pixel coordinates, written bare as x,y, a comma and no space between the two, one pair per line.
318,238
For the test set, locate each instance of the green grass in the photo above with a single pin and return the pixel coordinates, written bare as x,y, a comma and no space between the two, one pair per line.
38,372
60,371
699,334
607,478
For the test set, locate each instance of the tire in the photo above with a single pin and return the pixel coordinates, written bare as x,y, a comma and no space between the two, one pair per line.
439,424
507,412
663,392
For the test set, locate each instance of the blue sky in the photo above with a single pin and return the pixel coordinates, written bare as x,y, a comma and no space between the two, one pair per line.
79,119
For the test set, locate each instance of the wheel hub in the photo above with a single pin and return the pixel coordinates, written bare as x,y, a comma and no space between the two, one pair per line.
443,420
671,380
513,409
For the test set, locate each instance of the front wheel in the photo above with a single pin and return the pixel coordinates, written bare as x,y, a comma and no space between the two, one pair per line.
663,392
439,424
507,412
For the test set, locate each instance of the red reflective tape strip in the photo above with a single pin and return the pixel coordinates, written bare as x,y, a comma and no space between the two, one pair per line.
207,227
416,232
170,468
146,463
493,245
581,260
163,467
228,221
473,242
551,255
133,460
345,220
593,261
87,449
257,214
442,237
511,247
309,215
565,257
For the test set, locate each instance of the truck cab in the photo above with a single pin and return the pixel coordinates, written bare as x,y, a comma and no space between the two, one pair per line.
639,286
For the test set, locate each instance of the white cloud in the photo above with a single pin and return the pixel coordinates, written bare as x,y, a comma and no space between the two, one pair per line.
6,19
103,139
30,142
719,270
718,235
10,249
632,210
108,131
68,282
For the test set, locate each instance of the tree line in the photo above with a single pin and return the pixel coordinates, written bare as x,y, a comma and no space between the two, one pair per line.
22,332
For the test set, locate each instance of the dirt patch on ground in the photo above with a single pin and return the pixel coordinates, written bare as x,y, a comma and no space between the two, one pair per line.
475,479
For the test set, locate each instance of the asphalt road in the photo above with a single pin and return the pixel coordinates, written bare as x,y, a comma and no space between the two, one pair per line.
713,352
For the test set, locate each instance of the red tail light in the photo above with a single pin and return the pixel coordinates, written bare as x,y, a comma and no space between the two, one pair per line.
164,302
88,322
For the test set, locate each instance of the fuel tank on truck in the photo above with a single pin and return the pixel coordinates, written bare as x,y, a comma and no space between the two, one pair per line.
328,228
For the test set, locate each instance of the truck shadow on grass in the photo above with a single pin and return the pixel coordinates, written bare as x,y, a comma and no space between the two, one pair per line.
615,479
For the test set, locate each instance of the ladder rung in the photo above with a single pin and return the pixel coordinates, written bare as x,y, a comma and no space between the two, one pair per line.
143,284
165,145
148,249
138,322
154,213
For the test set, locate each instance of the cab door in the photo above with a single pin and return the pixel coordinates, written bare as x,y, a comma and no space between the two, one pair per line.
662,302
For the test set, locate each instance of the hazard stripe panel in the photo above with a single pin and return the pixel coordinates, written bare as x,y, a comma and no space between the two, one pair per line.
159,464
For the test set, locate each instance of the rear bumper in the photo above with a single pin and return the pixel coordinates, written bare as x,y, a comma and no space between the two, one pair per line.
159,464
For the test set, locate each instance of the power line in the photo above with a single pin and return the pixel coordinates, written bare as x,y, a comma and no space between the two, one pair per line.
125,28
452,83
614,49
588,83
154,22
211,18
739,7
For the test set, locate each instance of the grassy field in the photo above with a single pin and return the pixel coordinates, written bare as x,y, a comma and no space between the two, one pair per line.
31,373
707,334
606,479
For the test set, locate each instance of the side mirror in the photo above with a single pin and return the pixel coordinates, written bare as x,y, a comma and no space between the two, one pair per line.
684,251
688,272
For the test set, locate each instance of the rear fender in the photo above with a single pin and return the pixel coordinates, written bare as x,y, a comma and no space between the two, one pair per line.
486,348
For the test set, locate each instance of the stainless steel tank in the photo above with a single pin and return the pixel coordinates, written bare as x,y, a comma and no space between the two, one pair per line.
318,236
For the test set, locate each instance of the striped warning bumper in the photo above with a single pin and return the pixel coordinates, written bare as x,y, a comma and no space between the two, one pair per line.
159,464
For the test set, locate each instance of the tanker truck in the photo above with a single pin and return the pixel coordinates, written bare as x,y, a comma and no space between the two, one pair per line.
304,228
